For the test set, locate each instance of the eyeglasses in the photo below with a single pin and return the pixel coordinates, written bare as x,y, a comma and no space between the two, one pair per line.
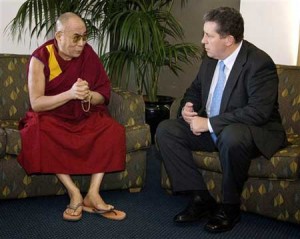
77,37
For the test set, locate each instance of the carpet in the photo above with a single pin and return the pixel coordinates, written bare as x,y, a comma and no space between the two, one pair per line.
149,215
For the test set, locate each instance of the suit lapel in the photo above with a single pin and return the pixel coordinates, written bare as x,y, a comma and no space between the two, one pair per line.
234,75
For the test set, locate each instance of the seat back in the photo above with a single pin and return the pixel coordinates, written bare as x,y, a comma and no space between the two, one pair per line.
289,97
14,99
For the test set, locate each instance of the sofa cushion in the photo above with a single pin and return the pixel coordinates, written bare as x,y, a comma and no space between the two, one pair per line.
12,136
13,145
284,164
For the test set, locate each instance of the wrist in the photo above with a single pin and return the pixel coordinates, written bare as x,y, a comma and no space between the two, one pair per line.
91,95
69,95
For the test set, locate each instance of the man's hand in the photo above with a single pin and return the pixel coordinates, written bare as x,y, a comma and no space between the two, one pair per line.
80,90
199,125
188,112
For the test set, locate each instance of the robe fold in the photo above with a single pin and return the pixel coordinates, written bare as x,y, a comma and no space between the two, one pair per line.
68,140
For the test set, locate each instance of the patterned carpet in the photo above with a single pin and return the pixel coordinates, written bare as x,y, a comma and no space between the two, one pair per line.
149,214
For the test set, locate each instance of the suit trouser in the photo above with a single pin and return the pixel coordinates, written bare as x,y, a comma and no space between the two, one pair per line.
236,149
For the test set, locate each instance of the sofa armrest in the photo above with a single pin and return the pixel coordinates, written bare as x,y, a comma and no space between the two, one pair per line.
127,107
2,142
175,107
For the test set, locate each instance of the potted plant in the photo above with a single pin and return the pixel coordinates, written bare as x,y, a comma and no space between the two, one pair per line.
142,34
144,38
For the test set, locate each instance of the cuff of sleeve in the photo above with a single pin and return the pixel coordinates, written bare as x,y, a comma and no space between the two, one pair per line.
209,127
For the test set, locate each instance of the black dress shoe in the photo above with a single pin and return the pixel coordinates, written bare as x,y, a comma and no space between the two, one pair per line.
224,219
195,210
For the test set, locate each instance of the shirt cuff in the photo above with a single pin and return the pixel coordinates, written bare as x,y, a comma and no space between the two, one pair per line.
209,127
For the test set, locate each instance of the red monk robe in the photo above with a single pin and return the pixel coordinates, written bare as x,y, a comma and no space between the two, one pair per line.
68,140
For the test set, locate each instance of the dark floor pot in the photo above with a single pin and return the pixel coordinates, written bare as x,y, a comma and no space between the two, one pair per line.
157,112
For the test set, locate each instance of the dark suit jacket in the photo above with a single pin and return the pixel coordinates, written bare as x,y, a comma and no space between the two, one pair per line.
249,97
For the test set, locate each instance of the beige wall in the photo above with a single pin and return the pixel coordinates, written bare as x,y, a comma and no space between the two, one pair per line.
272,25
191,19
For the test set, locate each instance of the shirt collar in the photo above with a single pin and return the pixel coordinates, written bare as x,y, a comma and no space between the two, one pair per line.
229,61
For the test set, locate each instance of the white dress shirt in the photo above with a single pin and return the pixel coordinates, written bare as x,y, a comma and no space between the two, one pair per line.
228,62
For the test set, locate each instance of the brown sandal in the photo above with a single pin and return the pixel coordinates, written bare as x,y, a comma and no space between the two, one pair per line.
70,217
111,214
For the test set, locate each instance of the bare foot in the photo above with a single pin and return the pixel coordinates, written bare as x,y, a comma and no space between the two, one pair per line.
75,201
96,202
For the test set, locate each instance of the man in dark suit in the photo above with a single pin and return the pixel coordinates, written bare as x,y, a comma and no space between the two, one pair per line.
240,119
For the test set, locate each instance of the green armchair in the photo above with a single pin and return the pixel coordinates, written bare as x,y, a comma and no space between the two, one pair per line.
126,107
273,186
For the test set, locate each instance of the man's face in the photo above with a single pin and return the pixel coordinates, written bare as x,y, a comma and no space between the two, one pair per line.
72,39
214,44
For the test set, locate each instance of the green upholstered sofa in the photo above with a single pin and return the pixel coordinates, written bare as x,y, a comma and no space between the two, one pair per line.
273,186
127,108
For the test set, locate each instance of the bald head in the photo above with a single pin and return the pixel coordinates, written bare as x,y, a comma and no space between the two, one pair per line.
68,20
70,35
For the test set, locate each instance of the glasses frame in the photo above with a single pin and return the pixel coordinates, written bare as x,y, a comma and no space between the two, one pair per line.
77,37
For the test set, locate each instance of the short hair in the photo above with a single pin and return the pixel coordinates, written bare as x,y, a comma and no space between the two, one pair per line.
229,21
64,18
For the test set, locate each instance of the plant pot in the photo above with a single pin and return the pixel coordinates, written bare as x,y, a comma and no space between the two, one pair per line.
157,112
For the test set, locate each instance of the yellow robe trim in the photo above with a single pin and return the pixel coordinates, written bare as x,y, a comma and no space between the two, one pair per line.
53,64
